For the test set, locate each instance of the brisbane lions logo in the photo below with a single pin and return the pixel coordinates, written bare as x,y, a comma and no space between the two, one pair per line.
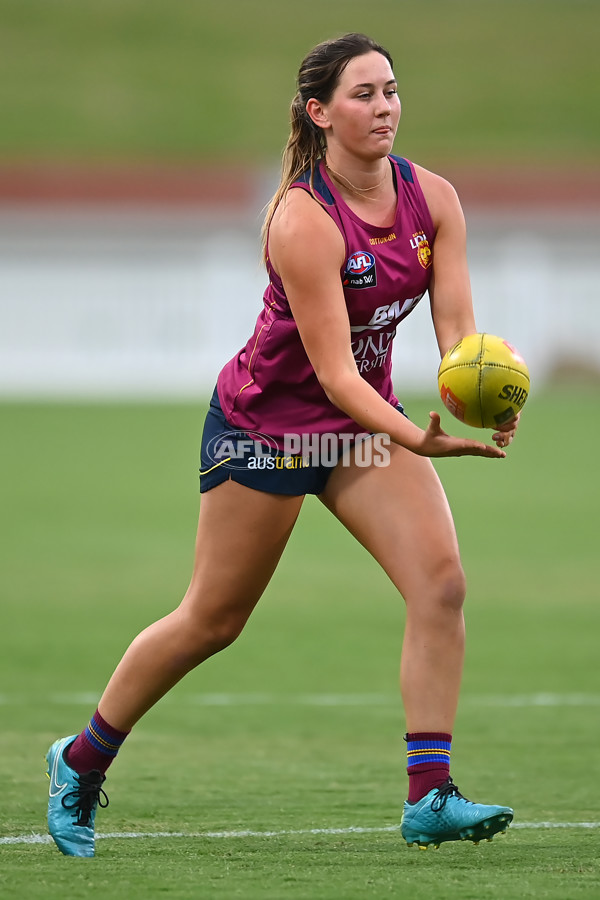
420,243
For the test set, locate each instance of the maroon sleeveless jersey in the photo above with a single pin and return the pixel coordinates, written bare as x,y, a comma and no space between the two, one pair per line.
270,385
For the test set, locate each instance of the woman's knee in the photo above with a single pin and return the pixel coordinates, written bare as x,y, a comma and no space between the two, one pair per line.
204,635
441,589
212,635
451,586
223,632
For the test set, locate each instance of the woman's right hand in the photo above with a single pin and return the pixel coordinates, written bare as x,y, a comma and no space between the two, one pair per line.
436,443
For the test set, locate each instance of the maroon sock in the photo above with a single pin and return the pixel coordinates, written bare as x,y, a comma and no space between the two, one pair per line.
428,762
96,746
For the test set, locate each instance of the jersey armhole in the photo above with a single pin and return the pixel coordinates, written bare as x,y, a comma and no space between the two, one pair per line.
409,175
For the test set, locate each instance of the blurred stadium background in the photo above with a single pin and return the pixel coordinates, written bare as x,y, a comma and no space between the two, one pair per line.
140,141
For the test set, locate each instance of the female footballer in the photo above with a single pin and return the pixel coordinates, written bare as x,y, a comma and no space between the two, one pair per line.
354,238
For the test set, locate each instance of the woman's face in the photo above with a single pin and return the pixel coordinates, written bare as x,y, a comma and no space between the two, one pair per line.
363,113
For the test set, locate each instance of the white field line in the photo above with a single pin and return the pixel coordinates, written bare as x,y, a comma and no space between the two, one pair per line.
321,699
351,829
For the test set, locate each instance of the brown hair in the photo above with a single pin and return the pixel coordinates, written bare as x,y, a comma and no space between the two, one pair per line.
317,77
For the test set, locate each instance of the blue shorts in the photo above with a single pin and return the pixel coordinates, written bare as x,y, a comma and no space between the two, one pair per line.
256,461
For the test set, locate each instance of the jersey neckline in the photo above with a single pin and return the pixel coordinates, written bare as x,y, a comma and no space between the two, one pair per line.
377,230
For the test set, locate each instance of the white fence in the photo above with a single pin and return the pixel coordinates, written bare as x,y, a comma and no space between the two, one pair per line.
124,304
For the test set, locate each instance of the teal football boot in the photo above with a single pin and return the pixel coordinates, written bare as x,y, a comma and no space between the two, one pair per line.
445,815
72,802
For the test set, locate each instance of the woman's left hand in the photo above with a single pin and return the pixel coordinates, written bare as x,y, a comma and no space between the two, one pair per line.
503,437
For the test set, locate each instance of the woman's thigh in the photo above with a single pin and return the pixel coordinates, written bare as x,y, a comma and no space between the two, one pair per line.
400,513
241,535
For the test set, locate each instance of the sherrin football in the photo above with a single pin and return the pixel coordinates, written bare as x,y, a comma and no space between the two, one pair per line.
483,381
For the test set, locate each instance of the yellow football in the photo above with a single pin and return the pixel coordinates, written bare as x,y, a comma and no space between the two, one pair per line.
483,380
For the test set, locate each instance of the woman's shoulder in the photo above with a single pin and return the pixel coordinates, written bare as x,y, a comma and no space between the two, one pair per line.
299,211
433,182
301,225
439,193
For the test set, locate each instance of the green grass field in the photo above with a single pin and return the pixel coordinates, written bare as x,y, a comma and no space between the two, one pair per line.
481,80
294,734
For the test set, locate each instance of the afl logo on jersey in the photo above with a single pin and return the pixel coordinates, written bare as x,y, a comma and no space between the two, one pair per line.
360,271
